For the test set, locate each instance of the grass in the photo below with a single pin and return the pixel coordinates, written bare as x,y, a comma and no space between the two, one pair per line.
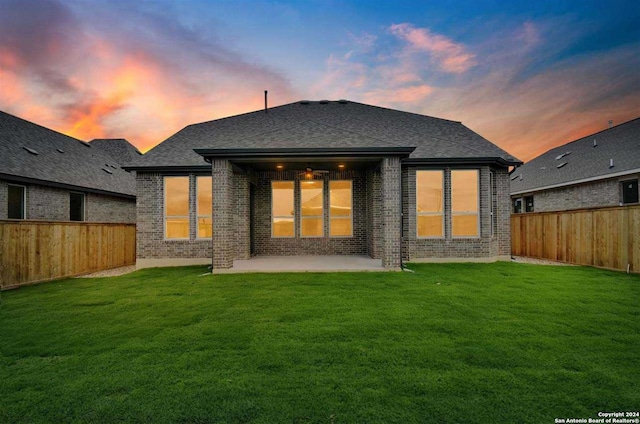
474,343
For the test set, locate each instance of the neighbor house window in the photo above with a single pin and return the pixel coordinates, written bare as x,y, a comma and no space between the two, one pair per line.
464,203
340,208
430,203
528,204
629,191
76,206
176,207
311,209
204,207
16,207
517,205
282,216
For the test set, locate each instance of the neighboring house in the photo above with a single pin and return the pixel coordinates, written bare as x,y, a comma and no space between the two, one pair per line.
599,170
323,178
119,149
46,175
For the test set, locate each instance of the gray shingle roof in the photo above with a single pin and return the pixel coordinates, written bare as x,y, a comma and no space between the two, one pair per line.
331,124
30,151
583,161
119,149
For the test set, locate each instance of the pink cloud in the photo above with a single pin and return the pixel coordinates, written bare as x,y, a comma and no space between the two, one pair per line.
448,55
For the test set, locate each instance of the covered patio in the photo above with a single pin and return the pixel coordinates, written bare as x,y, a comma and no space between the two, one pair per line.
305,263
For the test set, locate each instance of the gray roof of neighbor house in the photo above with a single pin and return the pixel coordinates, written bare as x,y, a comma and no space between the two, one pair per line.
32,153
325,124
586,159
119,149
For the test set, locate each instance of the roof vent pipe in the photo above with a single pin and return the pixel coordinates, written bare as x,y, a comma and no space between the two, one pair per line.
265,101
610,123
610,163
595,143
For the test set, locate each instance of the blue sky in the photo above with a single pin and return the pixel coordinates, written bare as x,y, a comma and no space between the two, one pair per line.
526,75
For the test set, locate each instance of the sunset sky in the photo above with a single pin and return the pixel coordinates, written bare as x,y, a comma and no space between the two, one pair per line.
526,75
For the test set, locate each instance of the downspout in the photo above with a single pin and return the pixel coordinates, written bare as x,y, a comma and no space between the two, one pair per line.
401,216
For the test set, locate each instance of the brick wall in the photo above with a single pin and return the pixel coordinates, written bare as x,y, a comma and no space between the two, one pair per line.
150,223
588,195
267,245
3,200
52,204
491,242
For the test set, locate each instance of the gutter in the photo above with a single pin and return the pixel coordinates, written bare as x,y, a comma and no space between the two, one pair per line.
27,180
581,181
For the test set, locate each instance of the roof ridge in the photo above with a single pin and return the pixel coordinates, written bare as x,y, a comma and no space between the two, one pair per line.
407,112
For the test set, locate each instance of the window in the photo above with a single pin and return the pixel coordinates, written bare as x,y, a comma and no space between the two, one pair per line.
204,207
340,208
282,219
311,209
76,207
464,203
176,207
528,204
517,205
429,203
629,191
16,202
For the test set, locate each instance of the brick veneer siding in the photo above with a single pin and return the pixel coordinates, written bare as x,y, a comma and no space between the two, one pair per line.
151,243
489,244
224,203
267,245
52,204
3,200
374,208
588,195
391,212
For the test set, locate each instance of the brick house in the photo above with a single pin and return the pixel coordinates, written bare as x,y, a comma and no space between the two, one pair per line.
46,175
323,178
598,170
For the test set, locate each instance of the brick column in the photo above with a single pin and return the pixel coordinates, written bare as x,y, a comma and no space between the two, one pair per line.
391,213
241,218
223,233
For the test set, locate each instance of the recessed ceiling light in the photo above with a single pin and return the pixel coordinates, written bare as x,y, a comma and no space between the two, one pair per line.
279,166
341,166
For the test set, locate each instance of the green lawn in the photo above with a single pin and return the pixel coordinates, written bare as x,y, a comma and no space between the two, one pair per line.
473,343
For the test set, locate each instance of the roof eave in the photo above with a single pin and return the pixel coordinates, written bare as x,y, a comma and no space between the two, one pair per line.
575,182
305,152
28,180
462,161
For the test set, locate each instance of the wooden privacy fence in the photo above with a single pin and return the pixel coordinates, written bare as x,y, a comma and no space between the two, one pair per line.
36,251
603,237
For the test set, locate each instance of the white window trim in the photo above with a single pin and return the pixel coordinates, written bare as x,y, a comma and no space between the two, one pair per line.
430,213
273,217
24,202
477,214
84,205
340,216
302,218
164,207
198,216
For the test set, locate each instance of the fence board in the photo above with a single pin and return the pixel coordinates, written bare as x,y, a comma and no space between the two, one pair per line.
36,251
603,237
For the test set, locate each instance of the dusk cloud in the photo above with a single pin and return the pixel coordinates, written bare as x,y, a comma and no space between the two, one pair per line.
91,74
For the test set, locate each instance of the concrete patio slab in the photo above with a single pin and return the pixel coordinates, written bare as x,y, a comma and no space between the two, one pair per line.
307,263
